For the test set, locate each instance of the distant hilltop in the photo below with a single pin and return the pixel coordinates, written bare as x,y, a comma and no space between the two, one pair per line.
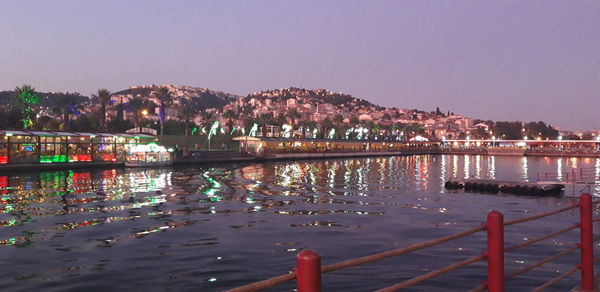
208,98
314,96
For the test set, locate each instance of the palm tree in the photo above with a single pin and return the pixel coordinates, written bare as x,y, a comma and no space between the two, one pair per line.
338,119
229,115
103,97
326,124
188,108
65,104
165,100
207,118
139,107
292,116
264,120
25,99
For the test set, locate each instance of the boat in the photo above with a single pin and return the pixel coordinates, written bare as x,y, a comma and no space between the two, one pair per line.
148,155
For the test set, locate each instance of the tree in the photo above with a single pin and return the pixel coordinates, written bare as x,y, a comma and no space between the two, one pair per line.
540,130
103,98
208,118
438,112
165,100
138,106
10,119
65,105
508,130
292,116
229,115
119,125
263,120
85,123
413,129
280,119
325,126
187,110
338,119
25,98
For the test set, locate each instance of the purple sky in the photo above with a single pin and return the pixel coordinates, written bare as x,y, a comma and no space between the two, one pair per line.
501,60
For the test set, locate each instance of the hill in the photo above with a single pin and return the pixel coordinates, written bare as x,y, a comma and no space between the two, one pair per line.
313,96
208,98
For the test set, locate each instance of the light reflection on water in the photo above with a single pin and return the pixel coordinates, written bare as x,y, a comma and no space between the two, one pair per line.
214,228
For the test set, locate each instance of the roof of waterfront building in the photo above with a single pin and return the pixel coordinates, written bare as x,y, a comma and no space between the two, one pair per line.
521,140
73,134
282,139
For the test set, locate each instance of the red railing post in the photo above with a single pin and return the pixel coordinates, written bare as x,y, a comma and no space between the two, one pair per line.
587,242
495,251
308,265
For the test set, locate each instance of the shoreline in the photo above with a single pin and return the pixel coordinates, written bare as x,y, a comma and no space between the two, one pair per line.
235,157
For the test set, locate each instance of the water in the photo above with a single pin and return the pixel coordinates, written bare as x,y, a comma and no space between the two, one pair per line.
212,228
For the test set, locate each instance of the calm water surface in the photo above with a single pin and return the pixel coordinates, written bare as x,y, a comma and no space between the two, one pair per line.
212,228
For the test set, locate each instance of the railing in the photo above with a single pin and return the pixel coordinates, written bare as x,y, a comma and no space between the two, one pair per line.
581,174
308,263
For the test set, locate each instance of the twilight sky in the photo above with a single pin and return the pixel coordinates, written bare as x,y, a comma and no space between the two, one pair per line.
500,60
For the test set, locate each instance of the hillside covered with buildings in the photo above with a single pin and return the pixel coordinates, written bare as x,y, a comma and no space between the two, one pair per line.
308,112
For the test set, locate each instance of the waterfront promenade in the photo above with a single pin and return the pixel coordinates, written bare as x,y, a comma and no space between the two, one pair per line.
212,157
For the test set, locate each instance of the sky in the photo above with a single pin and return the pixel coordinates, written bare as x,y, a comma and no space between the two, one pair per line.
498,60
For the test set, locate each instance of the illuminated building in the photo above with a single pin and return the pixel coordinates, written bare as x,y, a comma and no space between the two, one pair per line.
43,147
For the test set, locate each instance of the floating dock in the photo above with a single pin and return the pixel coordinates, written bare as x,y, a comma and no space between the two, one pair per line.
506,187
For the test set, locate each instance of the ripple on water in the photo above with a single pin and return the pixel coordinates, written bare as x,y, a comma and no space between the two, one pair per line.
215,228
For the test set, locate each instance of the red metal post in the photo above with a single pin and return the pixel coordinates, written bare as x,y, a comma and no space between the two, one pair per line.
587,242
495,252
308,265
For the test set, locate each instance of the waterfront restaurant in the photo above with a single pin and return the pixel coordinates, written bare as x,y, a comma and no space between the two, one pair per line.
34,147
530,144
270,146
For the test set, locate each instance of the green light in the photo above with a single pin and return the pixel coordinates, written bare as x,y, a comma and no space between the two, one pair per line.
213,129
9,134
52,158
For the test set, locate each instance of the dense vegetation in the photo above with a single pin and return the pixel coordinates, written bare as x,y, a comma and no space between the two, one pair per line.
515,130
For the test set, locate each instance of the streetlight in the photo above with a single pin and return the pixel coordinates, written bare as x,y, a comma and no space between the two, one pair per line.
560,142
144,113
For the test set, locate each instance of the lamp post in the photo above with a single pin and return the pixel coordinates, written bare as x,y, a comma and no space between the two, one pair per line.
144,113
560,142
213,131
